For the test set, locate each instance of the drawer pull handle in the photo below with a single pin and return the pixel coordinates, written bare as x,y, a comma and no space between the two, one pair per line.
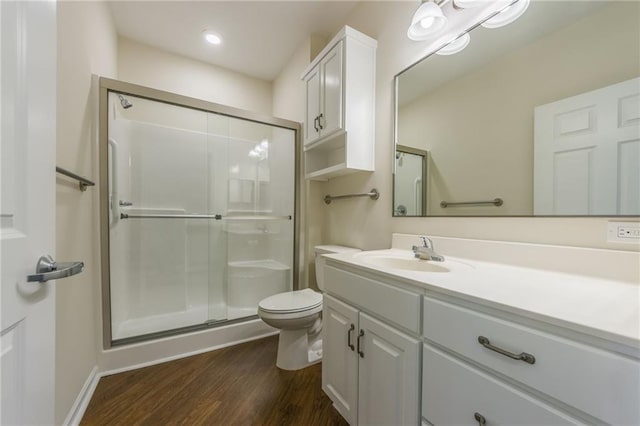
360,352
315,123
351,346
523,356
480,419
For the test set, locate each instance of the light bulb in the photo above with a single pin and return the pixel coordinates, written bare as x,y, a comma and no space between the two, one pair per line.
427,22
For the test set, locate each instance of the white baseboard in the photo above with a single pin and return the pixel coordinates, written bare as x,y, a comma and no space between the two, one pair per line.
84,397
86,393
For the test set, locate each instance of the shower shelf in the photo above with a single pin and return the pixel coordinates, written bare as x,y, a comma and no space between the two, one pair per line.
263,263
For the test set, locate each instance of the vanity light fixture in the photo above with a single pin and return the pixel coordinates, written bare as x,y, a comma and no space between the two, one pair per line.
507,15
427,21
467,4
455,46
211,37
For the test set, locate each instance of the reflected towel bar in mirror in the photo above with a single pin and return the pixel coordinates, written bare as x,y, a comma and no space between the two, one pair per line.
497,202
373,194
82,182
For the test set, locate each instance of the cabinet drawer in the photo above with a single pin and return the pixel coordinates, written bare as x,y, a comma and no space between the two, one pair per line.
453,392
397,305
600,383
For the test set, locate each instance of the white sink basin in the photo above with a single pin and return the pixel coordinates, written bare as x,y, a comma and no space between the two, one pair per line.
404,263
401,260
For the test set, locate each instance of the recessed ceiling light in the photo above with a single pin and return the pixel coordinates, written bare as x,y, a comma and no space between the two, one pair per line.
211,37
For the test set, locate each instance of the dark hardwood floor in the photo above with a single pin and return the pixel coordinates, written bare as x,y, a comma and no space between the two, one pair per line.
239,385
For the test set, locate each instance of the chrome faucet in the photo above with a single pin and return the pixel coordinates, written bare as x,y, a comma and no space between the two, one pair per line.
426,251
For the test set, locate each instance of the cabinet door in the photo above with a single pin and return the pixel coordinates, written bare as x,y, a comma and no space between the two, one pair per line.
312,113
339,357
455,393
389,375
331,91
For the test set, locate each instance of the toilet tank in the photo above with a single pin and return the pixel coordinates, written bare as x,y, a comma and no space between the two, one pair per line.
320,250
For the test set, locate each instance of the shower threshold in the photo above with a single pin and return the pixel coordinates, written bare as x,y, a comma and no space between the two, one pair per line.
180,331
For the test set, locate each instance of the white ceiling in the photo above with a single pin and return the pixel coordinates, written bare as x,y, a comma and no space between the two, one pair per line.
259,36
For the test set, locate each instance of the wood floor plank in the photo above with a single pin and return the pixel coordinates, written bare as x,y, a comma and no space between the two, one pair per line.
239,385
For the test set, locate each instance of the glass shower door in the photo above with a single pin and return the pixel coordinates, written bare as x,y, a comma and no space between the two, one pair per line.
255,193
201,217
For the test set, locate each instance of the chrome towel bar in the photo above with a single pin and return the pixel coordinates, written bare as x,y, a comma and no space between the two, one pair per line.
496,202
373,194
200,216
82,182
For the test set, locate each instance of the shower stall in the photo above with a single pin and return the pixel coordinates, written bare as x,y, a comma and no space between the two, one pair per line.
198,212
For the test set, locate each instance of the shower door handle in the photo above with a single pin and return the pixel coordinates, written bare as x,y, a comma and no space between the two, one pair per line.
48,269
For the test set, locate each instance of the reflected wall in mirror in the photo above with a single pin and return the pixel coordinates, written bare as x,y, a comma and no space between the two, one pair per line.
409,191
543,113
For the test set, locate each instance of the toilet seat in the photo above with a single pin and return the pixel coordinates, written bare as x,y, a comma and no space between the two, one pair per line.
291,302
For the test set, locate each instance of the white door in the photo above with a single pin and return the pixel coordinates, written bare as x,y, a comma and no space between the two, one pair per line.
339,356
587,153
389,376
331,91
27,206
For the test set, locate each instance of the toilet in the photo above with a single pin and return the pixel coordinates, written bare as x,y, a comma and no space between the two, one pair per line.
298,316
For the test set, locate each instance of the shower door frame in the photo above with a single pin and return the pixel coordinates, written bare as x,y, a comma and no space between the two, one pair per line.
107,85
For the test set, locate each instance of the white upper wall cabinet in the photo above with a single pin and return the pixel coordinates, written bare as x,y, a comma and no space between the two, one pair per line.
339,116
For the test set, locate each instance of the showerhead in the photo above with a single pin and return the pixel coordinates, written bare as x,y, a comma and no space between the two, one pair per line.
124,102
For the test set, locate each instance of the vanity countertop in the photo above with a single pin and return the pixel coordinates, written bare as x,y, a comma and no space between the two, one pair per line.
608,309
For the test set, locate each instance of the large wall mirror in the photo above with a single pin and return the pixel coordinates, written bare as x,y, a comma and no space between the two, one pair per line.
537,118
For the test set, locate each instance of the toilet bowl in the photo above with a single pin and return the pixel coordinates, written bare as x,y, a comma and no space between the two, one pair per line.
298,316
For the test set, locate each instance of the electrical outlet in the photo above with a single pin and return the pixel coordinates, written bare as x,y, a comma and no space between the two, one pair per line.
623,232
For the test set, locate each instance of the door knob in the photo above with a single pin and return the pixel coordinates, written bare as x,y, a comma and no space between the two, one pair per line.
48,269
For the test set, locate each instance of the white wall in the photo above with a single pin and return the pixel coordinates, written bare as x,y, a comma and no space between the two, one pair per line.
87,44
368,224
289,102
148,66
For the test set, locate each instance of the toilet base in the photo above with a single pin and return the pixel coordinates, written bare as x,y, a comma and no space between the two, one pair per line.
297,349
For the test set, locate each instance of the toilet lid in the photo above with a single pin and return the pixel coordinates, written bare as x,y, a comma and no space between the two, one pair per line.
291,301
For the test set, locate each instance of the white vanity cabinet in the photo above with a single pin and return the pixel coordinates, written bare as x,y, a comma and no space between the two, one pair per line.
370,369
479,364
340,105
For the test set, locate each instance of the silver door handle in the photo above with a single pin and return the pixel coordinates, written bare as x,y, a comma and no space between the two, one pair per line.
48,269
